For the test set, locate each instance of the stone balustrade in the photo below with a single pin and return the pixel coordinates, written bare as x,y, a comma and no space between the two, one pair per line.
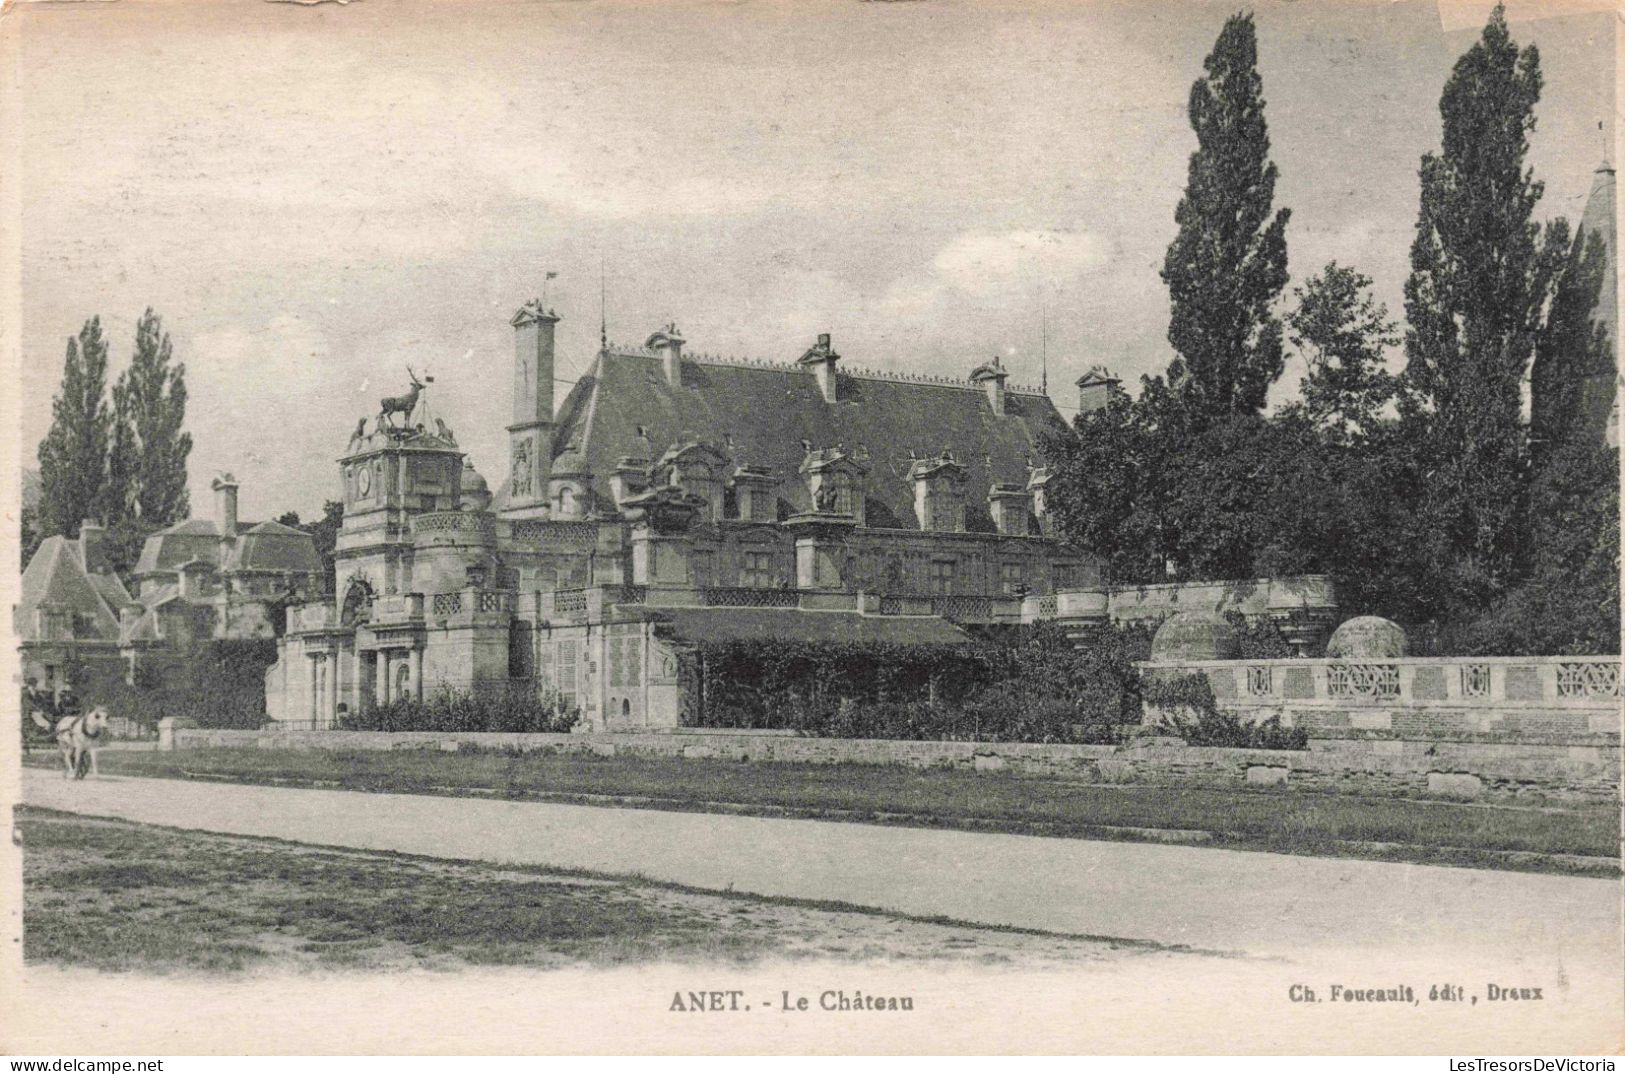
454,522
465,606
1552,696
1309,596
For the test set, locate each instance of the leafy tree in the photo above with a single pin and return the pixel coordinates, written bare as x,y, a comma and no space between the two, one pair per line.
1342,334
1099,488
155,391
73,455
1228,264
324,532
1478,284
1570,601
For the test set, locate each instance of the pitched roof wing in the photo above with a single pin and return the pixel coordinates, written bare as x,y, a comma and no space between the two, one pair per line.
56,576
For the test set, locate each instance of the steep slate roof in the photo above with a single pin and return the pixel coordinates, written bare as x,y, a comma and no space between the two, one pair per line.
271,546
55,575
734,624
264,546
768,410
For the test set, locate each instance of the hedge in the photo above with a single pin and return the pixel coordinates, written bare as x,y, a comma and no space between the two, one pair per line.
1030,684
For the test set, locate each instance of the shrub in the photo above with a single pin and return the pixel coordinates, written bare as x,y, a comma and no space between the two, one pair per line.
1188,710
511,707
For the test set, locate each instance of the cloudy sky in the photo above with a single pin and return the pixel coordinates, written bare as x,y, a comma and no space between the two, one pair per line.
315,197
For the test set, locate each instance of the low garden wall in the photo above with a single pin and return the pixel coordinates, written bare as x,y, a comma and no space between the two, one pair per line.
1491,770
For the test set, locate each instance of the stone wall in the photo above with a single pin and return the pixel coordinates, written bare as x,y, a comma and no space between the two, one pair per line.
1497,771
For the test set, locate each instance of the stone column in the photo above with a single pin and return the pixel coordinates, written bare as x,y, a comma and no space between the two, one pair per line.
417,674
332,712
315,687
381,693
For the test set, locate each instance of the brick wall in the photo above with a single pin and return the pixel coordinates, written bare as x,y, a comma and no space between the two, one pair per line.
1487,770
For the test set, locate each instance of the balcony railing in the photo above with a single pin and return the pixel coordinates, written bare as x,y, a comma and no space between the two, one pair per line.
748,597
470,602
454,522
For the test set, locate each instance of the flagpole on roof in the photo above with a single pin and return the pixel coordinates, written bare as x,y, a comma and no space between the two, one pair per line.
1043,344
603,317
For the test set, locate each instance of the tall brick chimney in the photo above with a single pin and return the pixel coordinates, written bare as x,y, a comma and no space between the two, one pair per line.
225,504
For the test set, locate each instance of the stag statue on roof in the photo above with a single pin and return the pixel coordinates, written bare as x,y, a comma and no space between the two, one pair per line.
403,404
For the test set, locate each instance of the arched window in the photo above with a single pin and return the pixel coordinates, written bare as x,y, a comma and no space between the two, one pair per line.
565,502
626,707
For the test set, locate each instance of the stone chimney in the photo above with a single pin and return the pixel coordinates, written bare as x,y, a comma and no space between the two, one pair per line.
1011,506
668,343
225,504
93,546
1095,390
821,359
991,376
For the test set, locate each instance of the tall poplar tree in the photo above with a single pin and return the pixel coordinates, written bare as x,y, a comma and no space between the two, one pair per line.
1479,279
1227,266
154,389
73,455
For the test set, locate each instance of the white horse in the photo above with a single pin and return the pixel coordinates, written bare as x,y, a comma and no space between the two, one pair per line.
76,737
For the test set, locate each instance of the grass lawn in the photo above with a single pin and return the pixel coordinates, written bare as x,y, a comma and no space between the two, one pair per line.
1297,822
119,896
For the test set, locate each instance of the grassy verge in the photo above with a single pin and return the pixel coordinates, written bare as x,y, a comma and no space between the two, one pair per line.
119,896
1542,839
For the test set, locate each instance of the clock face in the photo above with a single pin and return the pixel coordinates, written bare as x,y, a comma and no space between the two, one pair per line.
365,480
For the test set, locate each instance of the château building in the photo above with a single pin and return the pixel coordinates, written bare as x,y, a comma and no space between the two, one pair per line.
197,580
673,500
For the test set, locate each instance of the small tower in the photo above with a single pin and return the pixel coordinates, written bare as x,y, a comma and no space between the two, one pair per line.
530,437
1095,390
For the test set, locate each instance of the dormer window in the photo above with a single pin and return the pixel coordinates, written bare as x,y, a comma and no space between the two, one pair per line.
939,493
836,483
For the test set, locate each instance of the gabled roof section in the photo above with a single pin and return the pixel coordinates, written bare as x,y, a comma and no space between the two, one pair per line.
766,411
166,550
55,575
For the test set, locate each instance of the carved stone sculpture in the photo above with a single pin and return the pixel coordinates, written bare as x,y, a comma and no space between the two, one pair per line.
521,469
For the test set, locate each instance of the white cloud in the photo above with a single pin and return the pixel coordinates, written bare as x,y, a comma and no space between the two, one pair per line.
997,269
988,264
